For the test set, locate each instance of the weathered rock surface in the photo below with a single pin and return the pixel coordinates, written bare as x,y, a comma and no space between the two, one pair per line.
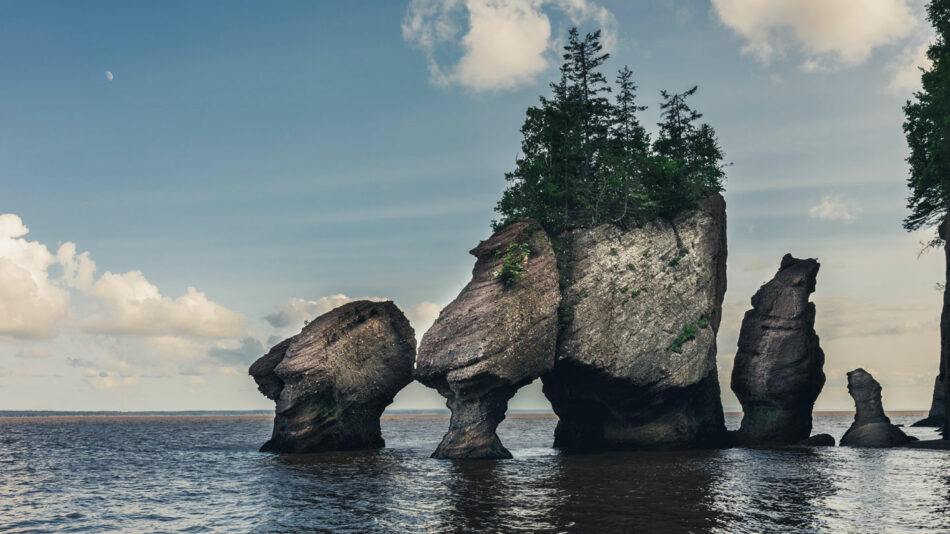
332,381
818,440
492,339
636,363
938,411
777,372
871,428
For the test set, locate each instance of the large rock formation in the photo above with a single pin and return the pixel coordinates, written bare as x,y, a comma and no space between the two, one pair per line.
636,363
871,428
777,372
333,380
496,336
937,407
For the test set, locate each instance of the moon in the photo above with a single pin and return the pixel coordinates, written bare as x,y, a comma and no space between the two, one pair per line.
109,75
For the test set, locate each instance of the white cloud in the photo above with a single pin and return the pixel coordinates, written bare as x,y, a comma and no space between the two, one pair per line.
507,42
294,312
834,208
31,306
422,315
109,75
829,33
32,354
905,68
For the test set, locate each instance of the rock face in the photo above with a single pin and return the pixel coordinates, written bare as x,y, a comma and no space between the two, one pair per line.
636,360
493,338
871,428
777,372
333,380
937,407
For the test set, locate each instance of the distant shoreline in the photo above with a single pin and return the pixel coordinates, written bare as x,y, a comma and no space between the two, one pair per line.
104,417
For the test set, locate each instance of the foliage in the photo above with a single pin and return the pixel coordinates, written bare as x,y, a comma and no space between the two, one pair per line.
703,322
927,128
586,159
513,263
689,332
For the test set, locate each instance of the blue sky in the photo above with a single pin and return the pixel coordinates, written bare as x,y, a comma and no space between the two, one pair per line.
276,155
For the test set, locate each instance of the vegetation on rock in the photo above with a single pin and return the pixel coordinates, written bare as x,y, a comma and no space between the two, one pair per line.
586,159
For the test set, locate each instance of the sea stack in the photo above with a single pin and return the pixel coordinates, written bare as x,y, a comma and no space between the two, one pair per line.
332,381
937,412
871,428
636,359
777,372
498,335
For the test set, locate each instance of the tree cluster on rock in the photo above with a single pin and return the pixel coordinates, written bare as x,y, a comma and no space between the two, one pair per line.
587,160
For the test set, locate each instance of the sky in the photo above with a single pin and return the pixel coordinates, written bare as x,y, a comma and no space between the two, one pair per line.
182,184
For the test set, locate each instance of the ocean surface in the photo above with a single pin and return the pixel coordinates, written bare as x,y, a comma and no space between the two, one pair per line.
204,474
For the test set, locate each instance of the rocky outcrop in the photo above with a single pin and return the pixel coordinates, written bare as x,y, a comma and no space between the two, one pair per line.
871,428
938,410
818,440
496,336
777,372
332,381
636,360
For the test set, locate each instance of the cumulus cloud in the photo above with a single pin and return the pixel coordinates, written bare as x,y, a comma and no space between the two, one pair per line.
905,69
422,315
241,352
835,208
507,43
31,306
830,34
294,312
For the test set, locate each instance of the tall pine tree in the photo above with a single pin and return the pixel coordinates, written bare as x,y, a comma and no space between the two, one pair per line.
927,128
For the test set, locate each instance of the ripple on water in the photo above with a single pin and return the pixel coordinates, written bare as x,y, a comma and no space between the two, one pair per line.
207,476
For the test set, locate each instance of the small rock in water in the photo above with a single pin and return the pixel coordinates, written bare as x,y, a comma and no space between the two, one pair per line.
333,380
871,427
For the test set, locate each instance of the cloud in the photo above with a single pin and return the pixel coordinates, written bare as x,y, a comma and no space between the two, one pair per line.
32,354
905,68
240,352
422,315
834,208
109,75
31,306
830,34
294,312
507,42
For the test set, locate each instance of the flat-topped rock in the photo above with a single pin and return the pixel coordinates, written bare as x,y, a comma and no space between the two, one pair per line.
332,381
636,365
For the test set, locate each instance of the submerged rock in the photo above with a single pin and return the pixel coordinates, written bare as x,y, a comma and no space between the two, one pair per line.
871,428
636,363
777,372
818,440
498,335
333,380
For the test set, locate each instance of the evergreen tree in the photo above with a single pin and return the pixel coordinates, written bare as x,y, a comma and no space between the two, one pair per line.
927,128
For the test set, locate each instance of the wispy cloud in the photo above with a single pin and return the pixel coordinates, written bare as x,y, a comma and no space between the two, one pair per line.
835,208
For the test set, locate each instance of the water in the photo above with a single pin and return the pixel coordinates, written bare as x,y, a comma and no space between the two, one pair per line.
207,476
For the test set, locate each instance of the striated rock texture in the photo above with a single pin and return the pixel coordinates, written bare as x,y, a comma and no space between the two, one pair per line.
937,412
333,380
777,372
492,339
871,428
636,364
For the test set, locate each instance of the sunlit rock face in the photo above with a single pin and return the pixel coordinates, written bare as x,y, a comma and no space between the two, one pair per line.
636,358
494,338
777,372
871,428
332,381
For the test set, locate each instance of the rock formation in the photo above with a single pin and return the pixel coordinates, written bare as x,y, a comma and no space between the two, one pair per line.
636,359
937,408
871,428
777,372
496,336
333,380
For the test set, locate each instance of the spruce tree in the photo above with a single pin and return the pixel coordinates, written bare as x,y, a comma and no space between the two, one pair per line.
927,128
